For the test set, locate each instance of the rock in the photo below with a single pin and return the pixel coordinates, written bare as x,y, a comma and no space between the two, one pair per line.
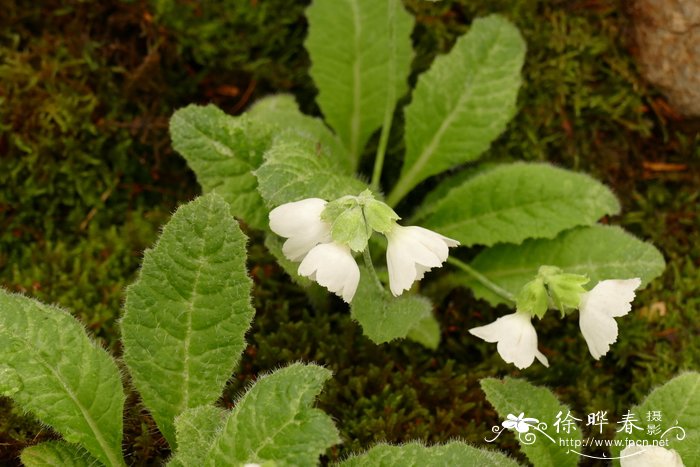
668,40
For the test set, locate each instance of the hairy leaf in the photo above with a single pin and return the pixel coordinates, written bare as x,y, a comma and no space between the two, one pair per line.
57,454
61,376
599,252
678,404
454,454
518,201
426,332
274,421
282,112
294,170
223,151
462,103
383,317
360,60
196,430
186,315
516,396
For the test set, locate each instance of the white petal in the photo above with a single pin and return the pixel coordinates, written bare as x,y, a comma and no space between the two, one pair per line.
301,223
412,251
292,219
516,337
608,299
649,456
332,266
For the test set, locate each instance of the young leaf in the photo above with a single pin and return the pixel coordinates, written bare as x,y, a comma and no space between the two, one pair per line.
516,396
274,421
186,315
599,252
65,379
384,318
196,430
282,112
454,454
57,453
517,201
360,60
223,151
678,404
462,103
294,170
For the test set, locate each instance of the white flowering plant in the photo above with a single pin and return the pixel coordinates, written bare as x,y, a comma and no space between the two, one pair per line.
299,178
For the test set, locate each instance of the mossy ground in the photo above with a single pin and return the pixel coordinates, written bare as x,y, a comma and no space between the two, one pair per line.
88,176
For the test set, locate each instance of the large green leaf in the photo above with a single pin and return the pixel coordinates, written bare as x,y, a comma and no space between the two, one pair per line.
57,454
462,103
282,112
384,318
453,454
516,396
274,421
599,252
56,372
186,315
678,404
295,170
360,60
223,151
517,201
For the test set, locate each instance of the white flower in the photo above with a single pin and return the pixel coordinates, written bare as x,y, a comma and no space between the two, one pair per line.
519,423
300,222
332,266
413,251
649,456
516,337
607,300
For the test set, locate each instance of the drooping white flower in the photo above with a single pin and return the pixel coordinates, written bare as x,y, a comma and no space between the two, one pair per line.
300,222
332,266
607,300
649,456
412,251
521,424
516,337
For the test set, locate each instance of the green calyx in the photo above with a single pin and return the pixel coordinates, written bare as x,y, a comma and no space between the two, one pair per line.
354,218
554,287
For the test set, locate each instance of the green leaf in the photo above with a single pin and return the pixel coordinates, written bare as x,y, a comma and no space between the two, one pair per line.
223,151
426,332
599,252
186,315
294,170
65,379
678,401
516,396
453,454
383,317
196,430
462,103
360,60
513,202
380,217
566,290
351,229
274,421
57,454
282,112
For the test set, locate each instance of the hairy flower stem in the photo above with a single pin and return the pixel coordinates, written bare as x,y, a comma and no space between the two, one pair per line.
370,266
483,280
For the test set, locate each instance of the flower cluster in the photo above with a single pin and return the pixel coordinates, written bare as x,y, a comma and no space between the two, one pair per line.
516,336
324,235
